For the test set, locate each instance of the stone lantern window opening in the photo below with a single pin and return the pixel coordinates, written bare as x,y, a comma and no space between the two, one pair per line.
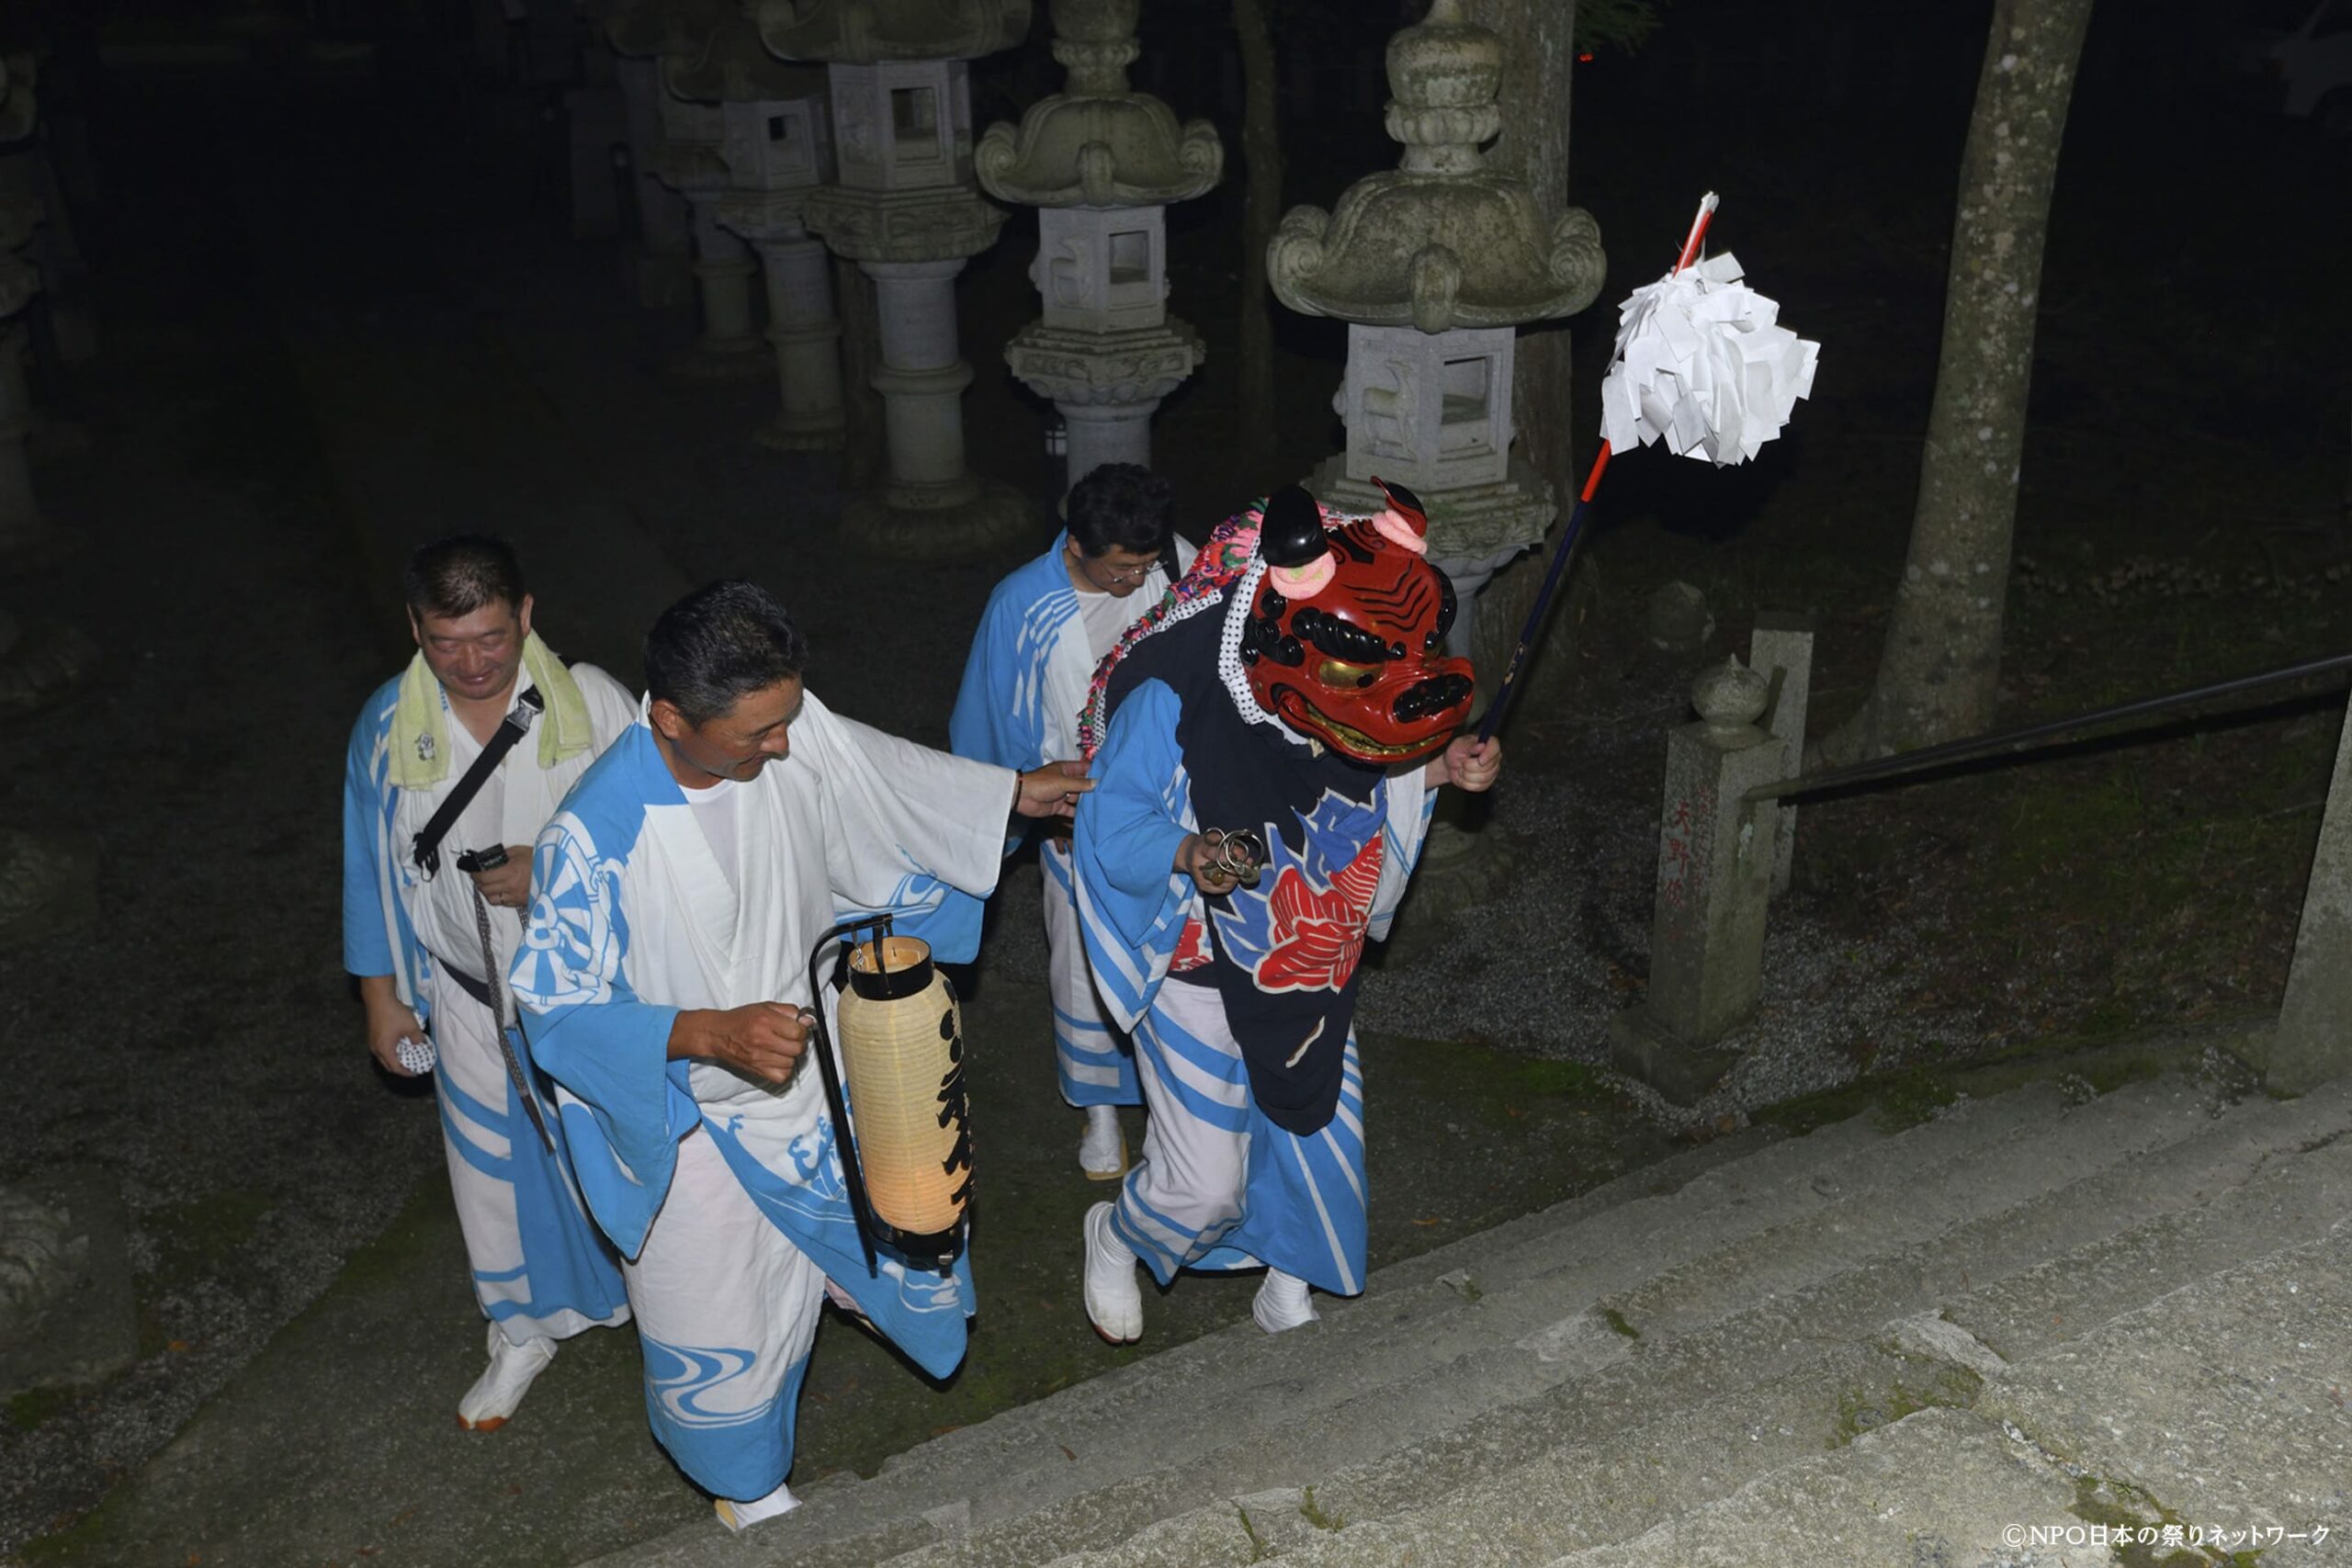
1102,269
1465,422
1130,257
776,144
1431,410
903,124
914,124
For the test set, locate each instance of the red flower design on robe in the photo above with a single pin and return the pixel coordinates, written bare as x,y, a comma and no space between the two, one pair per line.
1191,949
1316,933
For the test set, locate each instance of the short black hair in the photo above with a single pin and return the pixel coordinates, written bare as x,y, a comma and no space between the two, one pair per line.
718,644
459,575
1122,506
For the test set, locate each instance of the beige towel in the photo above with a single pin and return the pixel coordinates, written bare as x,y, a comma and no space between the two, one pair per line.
420,754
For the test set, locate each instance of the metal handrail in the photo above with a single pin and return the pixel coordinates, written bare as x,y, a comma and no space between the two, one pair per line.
2002,740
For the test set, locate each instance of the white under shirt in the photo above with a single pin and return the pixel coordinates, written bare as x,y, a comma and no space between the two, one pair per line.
715,811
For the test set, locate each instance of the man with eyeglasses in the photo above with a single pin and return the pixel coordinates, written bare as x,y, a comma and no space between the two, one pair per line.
1045,629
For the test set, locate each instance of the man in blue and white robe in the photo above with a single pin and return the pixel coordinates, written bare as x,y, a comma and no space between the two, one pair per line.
414,936
664,985
1045,629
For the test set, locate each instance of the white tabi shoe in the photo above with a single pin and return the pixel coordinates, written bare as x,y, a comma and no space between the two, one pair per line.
497,1392
741,1517
1281,1303
1113,1300
1102,1153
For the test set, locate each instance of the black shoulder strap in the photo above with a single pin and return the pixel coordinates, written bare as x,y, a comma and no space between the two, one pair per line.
426,850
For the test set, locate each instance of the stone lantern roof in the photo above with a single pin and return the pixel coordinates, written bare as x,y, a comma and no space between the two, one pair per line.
1439,242
866,32
1097,143
640,28
729,65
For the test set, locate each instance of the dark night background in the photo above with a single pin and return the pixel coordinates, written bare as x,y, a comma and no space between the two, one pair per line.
338,305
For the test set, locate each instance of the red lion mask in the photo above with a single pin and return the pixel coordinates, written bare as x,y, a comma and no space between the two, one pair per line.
1346,635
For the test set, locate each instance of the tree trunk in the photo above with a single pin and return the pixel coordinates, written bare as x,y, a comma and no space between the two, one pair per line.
1940,670
1261,211
1538,67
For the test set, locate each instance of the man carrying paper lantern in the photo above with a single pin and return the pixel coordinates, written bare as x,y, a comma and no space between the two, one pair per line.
1046,627
664,984
1266,749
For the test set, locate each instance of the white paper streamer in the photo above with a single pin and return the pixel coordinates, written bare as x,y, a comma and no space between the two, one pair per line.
1702,364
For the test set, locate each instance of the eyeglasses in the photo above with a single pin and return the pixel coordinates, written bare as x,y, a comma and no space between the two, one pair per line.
1132,574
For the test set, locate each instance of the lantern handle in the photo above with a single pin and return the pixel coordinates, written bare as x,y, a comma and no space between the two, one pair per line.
836,1096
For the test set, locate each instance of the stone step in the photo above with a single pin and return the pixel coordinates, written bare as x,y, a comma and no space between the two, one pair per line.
1424,1373
2226,1403
1514,1346
1580,1488
1943,1486
1717,1189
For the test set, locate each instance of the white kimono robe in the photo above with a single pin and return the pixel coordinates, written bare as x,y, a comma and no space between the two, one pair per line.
539,1266
1025,683
725,1194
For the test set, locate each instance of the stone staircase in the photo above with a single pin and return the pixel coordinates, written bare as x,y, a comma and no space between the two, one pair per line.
1857,1347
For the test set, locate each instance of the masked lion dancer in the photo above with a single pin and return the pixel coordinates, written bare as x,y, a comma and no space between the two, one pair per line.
1289,704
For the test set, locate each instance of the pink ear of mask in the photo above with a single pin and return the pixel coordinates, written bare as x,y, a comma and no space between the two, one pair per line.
1304,582
1398,530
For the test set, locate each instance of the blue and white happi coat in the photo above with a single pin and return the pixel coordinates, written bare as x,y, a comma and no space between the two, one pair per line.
1221,1184
725,1194
539,1266
1024,685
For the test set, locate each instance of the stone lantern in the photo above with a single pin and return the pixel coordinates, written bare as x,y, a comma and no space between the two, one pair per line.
1101,162
904,209
686,157
776,145
637,32
692,163
1434,264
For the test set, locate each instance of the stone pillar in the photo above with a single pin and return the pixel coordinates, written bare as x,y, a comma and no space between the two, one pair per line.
1101,162
777,152
2315,1039
693,165
1715,881
803,330
1781,649
922,382
661,271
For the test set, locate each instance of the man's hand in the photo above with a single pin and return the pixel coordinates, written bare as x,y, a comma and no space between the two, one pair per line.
764,1039
389,1022
1052,790
1466,764
507,885
1197,859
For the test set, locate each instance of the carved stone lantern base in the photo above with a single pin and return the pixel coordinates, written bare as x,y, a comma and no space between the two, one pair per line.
1106,384
970,516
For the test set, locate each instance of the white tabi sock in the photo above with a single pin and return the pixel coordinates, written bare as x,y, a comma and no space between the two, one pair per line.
499,1392
739,1516
1281,1303
1102,1152
1113,1300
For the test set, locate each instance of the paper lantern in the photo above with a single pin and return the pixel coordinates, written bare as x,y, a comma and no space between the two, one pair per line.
902,1051
903,1116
